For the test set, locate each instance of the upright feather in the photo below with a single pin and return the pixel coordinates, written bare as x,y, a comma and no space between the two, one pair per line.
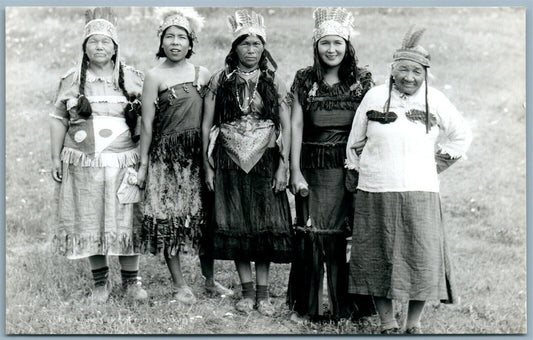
412,37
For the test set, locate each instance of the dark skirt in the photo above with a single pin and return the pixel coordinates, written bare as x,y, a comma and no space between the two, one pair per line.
399,247
251,222
329,205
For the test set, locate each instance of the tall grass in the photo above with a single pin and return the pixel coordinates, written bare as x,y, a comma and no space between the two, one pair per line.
479,63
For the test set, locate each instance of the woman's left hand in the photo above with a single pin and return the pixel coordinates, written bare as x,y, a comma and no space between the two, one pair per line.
279,183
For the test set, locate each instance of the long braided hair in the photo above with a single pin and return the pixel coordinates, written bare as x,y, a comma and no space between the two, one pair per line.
132,110
386,107
226,106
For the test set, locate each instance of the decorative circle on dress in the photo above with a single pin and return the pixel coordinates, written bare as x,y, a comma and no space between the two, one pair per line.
105,133
80,136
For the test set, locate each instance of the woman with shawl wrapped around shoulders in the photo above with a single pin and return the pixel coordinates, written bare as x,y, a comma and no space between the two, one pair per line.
246,139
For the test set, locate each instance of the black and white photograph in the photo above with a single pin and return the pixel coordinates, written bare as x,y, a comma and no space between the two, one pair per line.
259,170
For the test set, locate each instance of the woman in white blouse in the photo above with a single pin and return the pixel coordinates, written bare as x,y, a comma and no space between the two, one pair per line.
404,133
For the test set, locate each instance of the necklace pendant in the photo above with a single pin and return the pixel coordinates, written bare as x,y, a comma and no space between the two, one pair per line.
186,88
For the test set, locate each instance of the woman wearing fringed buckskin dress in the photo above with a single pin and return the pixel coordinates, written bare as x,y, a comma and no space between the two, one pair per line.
94,155
326,96
246,140
404,134
171,157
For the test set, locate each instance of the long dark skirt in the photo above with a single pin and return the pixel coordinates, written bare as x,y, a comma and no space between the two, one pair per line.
399,247
251,222
329,207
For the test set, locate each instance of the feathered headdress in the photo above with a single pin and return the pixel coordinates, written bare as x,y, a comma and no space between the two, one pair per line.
332,21
102,20
184,17
410,49
244,23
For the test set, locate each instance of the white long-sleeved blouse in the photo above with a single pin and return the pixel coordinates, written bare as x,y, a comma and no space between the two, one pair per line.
400,156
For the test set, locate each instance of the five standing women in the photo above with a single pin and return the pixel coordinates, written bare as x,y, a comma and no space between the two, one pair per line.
399,248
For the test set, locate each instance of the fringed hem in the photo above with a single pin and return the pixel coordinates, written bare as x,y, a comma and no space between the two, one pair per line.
322,155
100,160
178,234
75,246
174,146
267,246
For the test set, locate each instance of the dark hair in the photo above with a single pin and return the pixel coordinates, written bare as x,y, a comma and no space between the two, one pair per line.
132,109
232,59
349,75
161,52
226,106
348,70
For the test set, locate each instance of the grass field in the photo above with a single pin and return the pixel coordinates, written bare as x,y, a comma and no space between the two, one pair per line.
478,62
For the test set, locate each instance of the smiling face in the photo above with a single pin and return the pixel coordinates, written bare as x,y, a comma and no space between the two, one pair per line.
175,43
250,51
100,48
331,50
408,76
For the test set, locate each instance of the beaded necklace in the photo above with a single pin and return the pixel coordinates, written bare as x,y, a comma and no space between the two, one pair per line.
245,108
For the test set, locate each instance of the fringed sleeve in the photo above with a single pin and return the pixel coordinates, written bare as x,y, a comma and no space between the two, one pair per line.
133,80
456,136
212,85
66,97
301,84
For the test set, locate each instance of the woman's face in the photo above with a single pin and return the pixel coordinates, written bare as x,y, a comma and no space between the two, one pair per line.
175,43
250,51
100,48
331,50
408,76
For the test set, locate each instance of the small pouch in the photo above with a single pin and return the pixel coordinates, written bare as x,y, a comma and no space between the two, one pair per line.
128,191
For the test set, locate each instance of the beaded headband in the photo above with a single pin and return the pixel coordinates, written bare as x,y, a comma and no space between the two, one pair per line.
101,26
102,21
332,21
186,18
243,23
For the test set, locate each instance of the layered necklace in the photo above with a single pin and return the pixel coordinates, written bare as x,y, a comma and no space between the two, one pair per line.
248,99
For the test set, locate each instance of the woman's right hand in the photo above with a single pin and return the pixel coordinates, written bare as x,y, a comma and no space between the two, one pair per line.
299,184
141,176
57,170
209,177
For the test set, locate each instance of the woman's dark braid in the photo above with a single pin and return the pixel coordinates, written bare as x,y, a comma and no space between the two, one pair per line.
131,110
84,107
